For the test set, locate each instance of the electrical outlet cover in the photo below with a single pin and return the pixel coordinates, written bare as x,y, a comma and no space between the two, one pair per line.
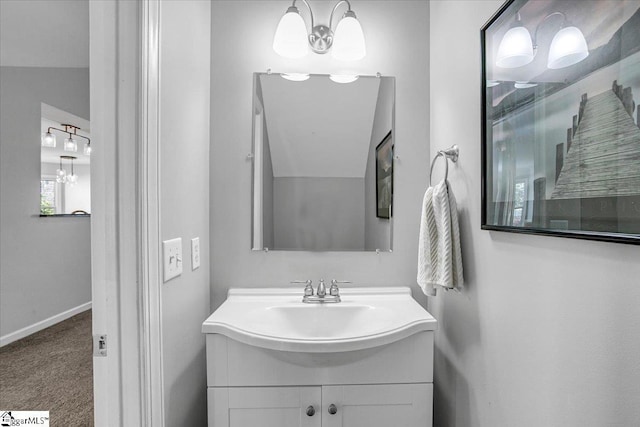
172,258
195,253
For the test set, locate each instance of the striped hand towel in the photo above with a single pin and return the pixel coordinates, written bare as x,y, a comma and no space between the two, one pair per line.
439,251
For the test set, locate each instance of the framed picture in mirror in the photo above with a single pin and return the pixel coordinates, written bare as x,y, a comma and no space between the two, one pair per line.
560,123
384,177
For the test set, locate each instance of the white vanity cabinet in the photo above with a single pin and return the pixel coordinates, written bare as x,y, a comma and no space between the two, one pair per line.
274,361
391,385
353,406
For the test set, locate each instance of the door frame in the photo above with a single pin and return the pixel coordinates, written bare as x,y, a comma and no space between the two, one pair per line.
125,251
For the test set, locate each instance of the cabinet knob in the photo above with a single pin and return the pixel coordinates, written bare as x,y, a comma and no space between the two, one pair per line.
311,411
332,409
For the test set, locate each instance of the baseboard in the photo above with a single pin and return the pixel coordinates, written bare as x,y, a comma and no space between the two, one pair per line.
24,332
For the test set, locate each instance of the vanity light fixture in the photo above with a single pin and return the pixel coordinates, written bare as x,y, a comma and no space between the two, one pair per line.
62,176
517,48
347,43
70,143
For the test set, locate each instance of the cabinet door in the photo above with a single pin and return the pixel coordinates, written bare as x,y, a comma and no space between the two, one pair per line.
264,406
392,405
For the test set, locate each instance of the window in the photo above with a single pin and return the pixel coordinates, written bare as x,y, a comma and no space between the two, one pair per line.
48,190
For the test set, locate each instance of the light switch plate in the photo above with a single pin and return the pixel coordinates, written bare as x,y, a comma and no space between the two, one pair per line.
195,253
172,258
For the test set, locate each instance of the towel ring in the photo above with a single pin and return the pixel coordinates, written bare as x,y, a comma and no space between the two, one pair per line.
448,154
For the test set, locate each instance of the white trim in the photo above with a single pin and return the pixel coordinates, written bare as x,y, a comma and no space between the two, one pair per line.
148,165
115,45
43,324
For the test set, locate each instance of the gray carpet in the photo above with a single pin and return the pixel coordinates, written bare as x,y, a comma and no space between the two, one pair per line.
51,370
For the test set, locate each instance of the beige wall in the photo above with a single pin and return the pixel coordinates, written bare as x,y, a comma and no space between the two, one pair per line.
184,202
546,331
242,36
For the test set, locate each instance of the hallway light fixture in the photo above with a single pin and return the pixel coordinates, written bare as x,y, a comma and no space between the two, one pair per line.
70,143
346,43
517,48
62,176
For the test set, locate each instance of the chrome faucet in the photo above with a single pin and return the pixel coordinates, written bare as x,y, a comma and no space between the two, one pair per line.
321,293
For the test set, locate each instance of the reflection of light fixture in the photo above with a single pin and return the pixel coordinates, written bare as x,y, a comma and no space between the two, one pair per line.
292,41
70,143
295,77
568,47
516,48
492,83
343,78
62,176
524,85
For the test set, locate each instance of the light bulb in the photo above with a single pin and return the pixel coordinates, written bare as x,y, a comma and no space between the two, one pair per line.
48,140
290,39
87,148
61,176
72,179
516,48
568,47
348,39
343,78
295,77
70,144
524,85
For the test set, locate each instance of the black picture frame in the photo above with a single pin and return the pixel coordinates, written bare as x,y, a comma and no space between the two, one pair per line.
585,185
384,177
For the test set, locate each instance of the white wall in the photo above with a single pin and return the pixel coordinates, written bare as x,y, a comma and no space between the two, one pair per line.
546,331
38,278
318,213
242,36
184,202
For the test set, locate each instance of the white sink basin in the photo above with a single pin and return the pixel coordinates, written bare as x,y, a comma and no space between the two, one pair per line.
277,319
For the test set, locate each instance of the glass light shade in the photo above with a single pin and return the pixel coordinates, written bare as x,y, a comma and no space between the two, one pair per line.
343,78
568,47
290,39
70,144
348,39
61,176
516,48
49,140
492,83
72,179
295,77
87,149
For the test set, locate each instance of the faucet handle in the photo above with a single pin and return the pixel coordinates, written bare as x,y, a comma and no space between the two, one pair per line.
334,291
308,289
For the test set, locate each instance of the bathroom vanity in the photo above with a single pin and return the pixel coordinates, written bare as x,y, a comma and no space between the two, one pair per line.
364,362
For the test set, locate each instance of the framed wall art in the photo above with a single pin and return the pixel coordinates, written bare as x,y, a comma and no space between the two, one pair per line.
384,177
560,119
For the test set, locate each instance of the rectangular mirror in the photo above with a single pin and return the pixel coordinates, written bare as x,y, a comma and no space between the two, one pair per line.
323,162
65,162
